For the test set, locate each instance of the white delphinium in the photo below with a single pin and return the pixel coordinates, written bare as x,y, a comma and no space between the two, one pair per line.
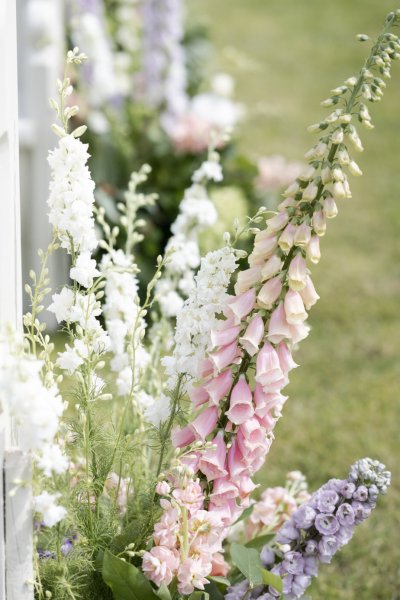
196,213
46,505
199,315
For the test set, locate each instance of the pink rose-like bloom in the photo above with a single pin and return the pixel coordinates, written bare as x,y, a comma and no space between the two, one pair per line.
253,335
160,564
191,496
294,308
241,305
225,356
212,461
297,273
219,386
163,488
241,402
269,293
279,328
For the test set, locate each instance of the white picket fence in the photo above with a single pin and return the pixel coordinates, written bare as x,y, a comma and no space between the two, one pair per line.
40,50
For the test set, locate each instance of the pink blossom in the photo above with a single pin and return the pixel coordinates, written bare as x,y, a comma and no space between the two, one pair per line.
225,356
190,496
253,335
160,564
285,358
198,395
224,336
192,574
236,464
219,386
241,402
294,308
286,239
268,368
163,488
219,566
271,267
247,279
277,222
278,326
264,247
329,207
223,490
319,222
297,273
313,250
302,236
205,422
182,437
275,507
299,332
309,294
269,293
212,461
265,402
241,305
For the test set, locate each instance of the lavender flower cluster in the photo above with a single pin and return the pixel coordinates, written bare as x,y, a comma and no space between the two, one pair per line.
318,529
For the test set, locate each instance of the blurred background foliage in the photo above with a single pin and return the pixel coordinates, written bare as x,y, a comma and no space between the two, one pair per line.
344,400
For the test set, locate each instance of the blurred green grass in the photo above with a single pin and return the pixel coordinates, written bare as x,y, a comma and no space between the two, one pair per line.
344,400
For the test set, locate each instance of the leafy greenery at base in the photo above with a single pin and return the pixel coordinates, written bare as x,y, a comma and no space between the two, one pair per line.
344,400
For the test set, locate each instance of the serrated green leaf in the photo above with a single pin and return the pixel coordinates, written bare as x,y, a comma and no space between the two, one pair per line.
248,562
272,579
260,541
125,580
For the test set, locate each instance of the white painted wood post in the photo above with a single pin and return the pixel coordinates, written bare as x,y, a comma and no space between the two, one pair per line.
16,565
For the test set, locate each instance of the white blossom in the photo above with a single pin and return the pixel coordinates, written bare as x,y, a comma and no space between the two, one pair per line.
52,459
52,513
84,270
62,304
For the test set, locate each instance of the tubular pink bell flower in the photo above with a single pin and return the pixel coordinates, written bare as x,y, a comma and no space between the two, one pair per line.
319,222
271,267
198,395
302,236
240,306
269,293
279,328
285,358
313,250
236,464
250,341
286,239
223,490
268,368
225,356
212,461
205,422
294,308
182,437
219,386
241,402
297,273
277,222
266,401
309,294
224,336
247,279
299,332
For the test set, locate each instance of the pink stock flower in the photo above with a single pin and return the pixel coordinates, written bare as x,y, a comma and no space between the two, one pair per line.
269,293
253,335
297,273
271,267
247,279
278,329
224,336
294,308
167,529
160,564
225,356
309,294
241,402
192,574
275,507
163,488
241,305
212,461
191,496
219,386
219,566
205,423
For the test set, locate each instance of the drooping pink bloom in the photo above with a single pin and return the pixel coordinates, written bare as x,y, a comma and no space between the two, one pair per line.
160,564
241,402
309,294
253,335
225,356
268,368
267,421
212,461
253,442
319,222
223,490
241,305
266,402
278,329
191,496
219,386
269,293
330,208
297,273
224,335
246,486
294,308
285,358
302,236
286,239
313,250
236,464
264,246
247,279
206,367
219,566
271,267
182,437
198,395
205,422
277,222
299,332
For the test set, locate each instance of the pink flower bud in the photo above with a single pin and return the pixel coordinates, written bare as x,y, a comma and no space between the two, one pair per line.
241,402
285,358
224,336
247,279
250,341
286,240
268,368
313,250
309,295
163,488
319,223
198,395
212,461
277,222
241,305
297,273
205,422
302,235
330,208
278,326
225,356
271,267
294,308
219,386
269,293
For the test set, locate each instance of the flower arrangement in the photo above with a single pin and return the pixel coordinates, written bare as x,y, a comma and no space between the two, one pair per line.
146,442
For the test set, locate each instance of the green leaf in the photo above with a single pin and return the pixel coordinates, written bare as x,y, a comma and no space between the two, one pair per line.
272,579
199,595
260,541
214,591
163,592
220,581
248,562
125,580
246,513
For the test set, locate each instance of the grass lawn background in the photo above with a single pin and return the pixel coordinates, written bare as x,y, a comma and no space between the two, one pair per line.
344,400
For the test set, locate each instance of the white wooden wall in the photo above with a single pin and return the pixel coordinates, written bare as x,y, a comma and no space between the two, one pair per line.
16,566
